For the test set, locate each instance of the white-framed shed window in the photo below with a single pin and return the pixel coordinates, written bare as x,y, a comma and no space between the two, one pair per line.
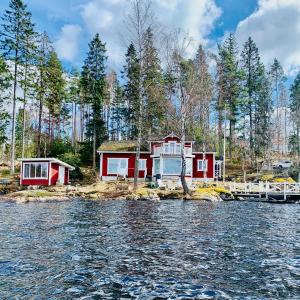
117,166
142,164
38,170
202,165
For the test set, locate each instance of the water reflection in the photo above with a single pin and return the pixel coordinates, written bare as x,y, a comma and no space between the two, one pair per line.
149,250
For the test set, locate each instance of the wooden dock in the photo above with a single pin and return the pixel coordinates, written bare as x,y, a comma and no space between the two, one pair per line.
266,191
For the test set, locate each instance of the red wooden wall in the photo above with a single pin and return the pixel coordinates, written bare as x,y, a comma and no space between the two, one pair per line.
210,170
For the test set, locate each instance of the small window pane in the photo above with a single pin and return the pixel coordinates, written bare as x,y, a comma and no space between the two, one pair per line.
113,165
123,164
32,171
26,170
38,170
44,170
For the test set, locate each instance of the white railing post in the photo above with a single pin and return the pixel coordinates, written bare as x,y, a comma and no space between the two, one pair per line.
284,191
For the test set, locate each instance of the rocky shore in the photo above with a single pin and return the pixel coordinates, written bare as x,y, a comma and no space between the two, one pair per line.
112,191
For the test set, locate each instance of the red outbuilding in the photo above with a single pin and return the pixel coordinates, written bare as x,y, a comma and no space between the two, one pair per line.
44,171
160,158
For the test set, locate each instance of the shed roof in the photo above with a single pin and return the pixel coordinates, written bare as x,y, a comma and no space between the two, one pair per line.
50,159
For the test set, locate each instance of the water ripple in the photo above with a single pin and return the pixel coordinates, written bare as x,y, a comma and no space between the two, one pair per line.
149,250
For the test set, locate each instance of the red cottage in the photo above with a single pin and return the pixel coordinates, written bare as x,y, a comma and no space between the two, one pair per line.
44,171
161,159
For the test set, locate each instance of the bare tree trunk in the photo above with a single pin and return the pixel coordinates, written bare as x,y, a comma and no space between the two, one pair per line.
94,147
75,128
13,129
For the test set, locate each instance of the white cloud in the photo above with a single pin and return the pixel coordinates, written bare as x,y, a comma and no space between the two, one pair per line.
275,27
68,42
196,17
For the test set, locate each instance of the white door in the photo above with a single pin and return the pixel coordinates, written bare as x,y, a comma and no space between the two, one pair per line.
61,175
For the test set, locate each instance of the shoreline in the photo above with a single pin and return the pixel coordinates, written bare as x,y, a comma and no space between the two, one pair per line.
103,191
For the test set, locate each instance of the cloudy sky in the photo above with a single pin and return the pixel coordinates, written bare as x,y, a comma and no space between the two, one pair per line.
273,24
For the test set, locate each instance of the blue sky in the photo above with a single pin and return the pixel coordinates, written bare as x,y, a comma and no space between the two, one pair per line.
273,24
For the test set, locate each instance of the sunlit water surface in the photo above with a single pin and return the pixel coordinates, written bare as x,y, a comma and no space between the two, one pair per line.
149,250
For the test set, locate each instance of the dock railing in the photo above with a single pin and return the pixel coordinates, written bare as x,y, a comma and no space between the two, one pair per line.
265,188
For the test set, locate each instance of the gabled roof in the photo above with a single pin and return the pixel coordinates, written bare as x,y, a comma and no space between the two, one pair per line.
50,159
121,146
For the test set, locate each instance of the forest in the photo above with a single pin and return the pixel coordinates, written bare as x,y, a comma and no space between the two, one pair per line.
222,98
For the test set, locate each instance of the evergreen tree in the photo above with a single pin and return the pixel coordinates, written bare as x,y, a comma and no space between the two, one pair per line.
75,98
263,111
131,74
117,113
16,29
277,81
230,85
5,78
295,113
56,95
154,98
43,52
252,68
203,96
93,83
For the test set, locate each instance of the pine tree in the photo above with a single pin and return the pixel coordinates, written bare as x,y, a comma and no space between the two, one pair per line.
117,113
43,52
5,79
154,98
203,96
277,80
230,85
263,111
16,28
252,68
295,113
131,75
55,83
75,98
93,83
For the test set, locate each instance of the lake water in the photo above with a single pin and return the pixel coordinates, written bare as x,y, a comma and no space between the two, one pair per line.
149,250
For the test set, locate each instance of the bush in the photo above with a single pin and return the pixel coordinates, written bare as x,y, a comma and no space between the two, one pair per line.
70,158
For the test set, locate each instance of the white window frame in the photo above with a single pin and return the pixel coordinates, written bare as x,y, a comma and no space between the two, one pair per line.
144,161
35,163
119,159
206,165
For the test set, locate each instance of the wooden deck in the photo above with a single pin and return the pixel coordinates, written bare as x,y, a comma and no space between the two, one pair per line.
266,191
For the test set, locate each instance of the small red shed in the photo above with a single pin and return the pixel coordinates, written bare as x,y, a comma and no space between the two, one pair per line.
44,171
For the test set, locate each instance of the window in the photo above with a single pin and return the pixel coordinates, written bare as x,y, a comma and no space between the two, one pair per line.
117,166
156,166
202,165
166,148
142,164
172,166
35,170
172,147
188,169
